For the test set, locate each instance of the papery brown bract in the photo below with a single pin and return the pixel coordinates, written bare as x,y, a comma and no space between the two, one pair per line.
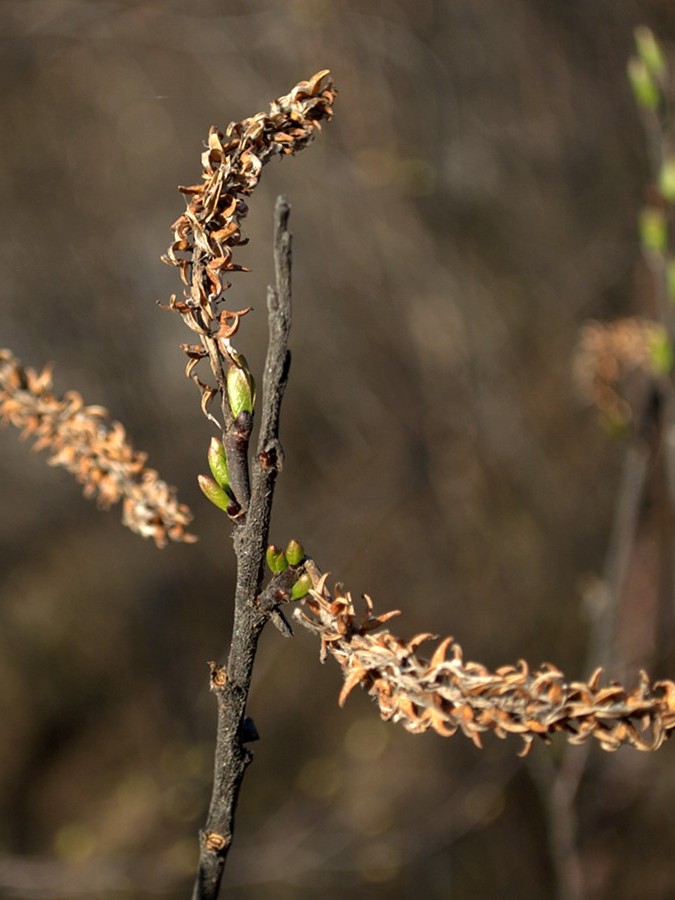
206,234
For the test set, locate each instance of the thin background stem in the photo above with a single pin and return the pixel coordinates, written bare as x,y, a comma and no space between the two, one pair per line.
559,784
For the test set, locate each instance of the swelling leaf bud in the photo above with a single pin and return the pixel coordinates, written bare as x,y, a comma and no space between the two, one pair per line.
645,89
276,559
667,179
670,278
301,587
649,51
240,386
295,553
218,463
661,353
214,492
653,232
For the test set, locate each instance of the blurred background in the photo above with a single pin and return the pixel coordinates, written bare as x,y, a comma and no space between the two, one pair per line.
473,203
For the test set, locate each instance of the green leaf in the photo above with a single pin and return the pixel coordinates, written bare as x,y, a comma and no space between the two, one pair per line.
653,232
667,179
650,52
670,278
645,89
661,354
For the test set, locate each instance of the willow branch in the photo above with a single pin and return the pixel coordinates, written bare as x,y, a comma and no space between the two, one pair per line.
231,684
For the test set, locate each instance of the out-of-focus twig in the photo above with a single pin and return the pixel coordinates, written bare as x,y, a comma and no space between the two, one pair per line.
623,367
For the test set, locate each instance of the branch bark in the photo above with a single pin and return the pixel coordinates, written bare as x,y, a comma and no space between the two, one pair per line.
231,684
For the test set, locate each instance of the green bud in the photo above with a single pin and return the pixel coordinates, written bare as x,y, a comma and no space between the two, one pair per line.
649,51
667,179
218,463
276,559
615,425
661,353
670,279
653,233
240,386
301,587
214,492
295,553
645,89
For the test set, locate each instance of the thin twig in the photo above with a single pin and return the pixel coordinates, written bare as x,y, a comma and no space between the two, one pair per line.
232,684
559,784
614,630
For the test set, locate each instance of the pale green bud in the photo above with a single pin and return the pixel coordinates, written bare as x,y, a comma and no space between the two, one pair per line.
645,89
218,463
653,233
649,50
670,278
295,553
240,387
276,559
661,353
667,179
301,587
214,492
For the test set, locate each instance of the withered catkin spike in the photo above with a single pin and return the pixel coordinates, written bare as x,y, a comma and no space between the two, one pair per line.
609,356
207,233
94,449
448,694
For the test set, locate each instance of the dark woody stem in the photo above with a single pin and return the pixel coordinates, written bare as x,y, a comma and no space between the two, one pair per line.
231,684
236,440
236,431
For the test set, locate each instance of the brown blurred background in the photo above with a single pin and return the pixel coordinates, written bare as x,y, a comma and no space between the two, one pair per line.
472,204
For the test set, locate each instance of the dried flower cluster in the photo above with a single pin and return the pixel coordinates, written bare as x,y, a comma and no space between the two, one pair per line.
83,440
210,228
610,354
448,694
